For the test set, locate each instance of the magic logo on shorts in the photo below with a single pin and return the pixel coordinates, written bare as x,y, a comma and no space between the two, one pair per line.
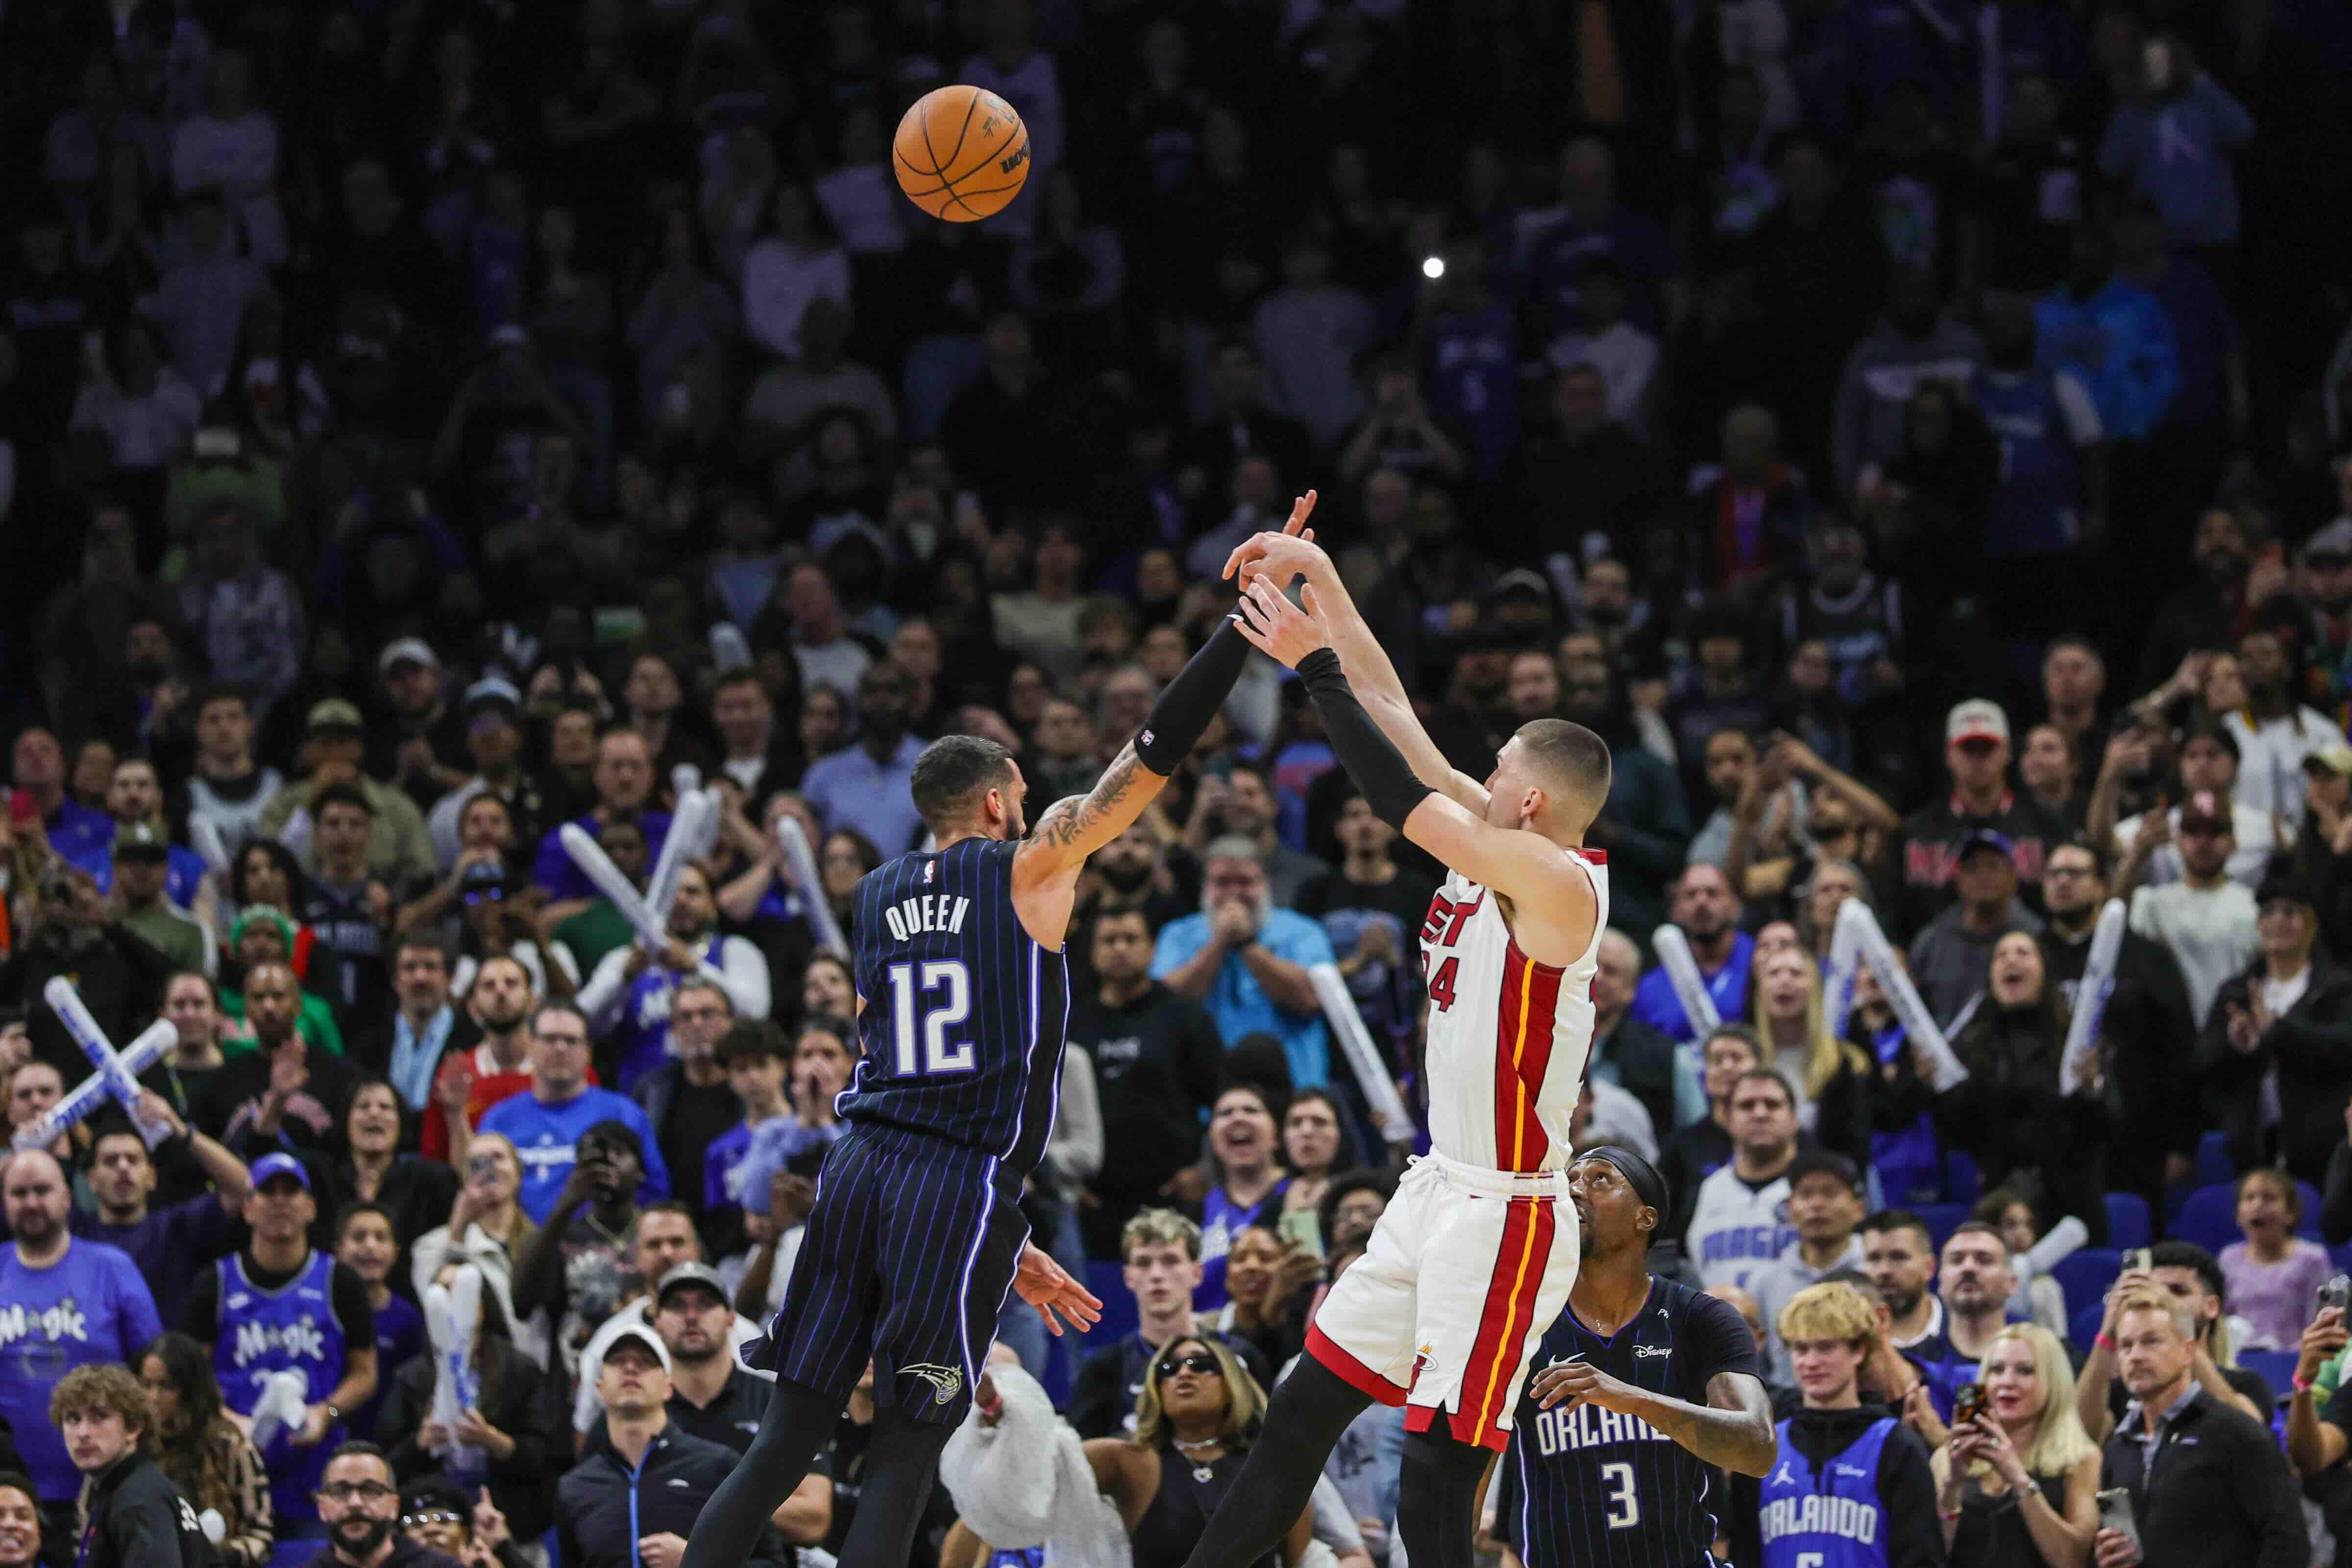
946,1381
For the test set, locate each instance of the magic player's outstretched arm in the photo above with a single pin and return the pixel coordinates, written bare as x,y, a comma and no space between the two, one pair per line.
1280,557
1557,908
1046,869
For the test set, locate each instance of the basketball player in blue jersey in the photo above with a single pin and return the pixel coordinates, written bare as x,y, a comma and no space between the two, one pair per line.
915,1234
1647,1387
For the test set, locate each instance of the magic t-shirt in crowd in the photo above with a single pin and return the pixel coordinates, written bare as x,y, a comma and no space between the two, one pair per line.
547,1137
88,1308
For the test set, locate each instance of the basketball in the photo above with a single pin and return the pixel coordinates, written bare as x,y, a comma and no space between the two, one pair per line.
962,153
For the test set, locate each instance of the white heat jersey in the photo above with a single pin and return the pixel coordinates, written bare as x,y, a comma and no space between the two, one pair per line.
1507,1037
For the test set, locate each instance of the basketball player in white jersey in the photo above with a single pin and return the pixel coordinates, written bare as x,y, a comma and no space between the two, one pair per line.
1474,1257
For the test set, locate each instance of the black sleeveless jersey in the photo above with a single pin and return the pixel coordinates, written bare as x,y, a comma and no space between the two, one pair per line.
964,1011
1591,1488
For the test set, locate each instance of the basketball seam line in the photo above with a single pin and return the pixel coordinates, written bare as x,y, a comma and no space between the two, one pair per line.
962,131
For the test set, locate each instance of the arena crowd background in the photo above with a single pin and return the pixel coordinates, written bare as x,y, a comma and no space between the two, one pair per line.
1912,432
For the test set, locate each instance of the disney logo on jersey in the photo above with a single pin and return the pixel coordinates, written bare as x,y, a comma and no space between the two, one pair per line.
300,1339
1646,1352
946,1381
64,1321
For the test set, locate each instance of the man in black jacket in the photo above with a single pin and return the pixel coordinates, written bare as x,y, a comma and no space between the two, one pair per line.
2290,1013
1858,1458
1158,1063
2145,1027
135,1517
2206,1484
633,1498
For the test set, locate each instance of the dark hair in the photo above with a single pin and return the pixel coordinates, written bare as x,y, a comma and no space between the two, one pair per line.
421,939
298,883
748,1039
1895,1220
1745,1034
2286,1185
1343,1185
1774,1074
2188,1254
341,794
355,1450
218,692
670,1206
1978,1228
358,1207
1995,1205
2207,730
1345,1155
953,772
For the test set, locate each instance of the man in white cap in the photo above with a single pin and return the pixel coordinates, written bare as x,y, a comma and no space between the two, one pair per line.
1976,755
417,750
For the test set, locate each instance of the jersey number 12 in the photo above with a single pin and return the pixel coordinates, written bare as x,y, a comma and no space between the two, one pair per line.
951,982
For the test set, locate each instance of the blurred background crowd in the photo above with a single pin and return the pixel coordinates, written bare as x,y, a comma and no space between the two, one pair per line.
1912,432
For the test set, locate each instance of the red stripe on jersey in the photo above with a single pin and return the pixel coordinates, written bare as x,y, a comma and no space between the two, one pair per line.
1350,1371
1504,1322
1523,1032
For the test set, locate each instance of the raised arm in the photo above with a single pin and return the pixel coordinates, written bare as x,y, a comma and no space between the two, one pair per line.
1557,906
1279,558
1045,870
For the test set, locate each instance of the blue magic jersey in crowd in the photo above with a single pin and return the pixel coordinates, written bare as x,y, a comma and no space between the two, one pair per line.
290,1329
1587,1488
1827,1518
964,1012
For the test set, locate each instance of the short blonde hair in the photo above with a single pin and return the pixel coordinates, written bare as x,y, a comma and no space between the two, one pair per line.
1159,1228
2184,1322
1831,1310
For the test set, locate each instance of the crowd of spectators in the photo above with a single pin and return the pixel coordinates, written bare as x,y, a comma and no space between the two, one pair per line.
1913,432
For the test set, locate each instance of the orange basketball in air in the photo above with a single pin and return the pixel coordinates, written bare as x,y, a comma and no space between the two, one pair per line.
962,153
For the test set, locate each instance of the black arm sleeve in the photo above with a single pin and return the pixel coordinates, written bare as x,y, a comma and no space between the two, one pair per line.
200,1318
1188,702
349,1295
1390,787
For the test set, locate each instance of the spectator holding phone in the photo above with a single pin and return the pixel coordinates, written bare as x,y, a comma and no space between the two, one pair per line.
2016,1486
2227,1499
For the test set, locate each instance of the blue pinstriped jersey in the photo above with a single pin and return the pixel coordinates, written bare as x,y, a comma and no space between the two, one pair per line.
1597,1490
964,1011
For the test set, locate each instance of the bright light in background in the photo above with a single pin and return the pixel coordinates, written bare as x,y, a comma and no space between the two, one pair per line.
1434,268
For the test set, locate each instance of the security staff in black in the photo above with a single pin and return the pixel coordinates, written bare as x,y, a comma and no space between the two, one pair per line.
917,1235
138,1519
1644,1388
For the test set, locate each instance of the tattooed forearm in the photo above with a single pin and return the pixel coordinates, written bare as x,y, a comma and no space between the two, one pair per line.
1070,821
1733,1430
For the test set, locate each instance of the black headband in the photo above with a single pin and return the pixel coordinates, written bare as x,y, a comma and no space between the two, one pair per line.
1639,1174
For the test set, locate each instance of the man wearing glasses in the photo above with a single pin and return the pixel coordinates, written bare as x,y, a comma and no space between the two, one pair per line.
361,1508
2145,1027
1976,757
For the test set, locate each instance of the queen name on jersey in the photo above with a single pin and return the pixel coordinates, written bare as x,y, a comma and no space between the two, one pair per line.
1588,1487
964,1011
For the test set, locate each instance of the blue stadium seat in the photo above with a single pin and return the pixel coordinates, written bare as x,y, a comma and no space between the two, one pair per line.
2309,1227
2342,1258
2086,1274
1963,1179
2083,1326
1109,1282
2209,1217
2128,1221
2273,1367
1941,1220
2213,1161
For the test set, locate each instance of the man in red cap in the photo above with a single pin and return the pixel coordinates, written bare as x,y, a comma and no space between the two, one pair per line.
1976,754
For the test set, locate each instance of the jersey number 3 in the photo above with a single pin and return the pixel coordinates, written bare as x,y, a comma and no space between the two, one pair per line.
1441,926
950,982
1622,1505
